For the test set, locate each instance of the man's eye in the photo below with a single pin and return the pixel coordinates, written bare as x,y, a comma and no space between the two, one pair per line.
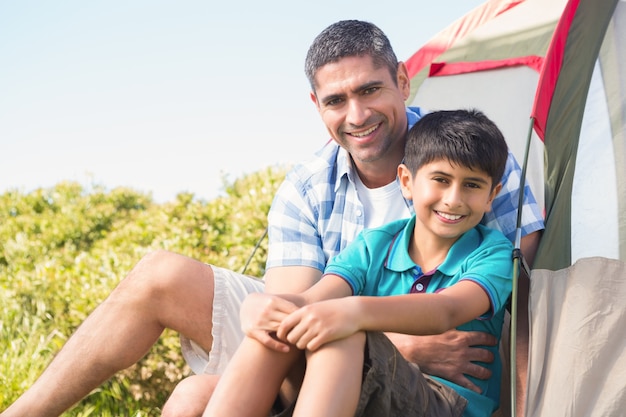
370,90
334,102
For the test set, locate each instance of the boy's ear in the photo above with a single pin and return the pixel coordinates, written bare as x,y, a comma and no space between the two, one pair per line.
405,178
493,195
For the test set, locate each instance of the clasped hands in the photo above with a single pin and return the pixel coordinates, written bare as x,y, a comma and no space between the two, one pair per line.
282,321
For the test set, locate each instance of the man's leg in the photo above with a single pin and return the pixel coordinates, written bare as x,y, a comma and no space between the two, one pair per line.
164,290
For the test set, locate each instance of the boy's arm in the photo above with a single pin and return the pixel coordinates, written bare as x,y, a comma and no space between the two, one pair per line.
261,314
316,324
423,314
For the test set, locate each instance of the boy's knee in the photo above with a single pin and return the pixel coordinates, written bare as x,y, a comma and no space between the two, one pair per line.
190,397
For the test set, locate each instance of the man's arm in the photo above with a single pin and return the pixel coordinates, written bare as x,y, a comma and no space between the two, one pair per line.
450,355
290,279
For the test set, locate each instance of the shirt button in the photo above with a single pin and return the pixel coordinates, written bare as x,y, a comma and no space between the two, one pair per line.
359,213
419,287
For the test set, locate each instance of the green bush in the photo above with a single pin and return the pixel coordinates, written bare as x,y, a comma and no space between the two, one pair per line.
63,249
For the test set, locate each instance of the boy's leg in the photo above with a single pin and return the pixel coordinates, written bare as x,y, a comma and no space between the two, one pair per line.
252,380
332,381
163,290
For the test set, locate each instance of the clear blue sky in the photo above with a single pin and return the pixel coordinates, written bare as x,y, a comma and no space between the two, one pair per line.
166,96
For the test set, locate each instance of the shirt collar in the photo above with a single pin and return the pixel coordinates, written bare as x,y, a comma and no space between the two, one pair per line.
344,167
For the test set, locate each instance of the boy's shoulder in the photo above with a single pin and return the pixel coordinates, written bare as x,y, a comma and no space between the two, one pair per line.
491,235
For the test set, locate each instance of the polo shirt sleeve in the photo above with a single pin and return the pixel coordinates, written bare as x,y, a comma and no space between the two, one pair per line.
491,267
352,264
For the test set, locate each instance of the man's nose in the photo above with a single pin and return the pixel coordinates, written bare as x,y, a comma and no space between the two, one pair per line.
357,114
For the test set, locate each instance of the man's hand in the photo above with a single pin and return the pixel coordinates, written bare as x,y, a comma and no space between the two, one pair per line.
449,355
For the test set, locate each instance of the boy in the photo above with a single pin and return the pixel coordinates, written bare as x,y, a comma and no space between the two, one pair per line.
437,270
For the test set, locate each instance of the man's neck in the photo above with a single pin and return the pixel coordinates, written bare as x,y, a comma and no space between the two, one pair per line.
379,173
372,177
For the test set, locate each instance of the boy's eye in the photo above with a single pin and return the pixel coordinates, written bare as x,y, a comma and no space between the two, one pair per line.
472,185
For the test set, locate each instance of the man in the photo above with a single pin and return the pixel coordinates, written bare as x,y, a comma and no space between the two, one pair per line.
359,89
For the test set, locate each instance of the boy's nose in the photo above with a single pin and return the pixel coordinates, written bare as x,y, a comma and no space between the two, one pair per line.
452,197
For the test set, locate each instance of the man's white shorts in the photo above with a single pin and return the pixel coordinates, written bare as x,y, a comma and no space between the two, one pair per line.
230,290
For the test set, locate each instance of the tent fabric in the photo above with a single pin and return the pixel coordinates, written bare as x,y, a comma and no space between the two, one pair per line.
577,364
560,105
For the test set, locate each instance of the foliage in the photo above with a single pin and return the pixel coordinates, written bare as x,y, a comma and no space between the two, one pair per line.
63,249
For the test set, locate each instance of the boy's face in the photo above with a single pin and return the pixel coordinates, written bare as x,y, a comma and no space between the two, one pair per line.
448,199
363,107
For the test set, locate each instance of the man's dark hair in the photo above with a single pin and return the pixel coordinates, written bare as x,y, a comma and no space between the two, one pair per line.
463,137
348,38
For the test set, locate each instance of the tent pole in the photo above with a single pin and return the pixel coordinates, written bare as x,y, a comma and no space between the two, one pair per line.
518,262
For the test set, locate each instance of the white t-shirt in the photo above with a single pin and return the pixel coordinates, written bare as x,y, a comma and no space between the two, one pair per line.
383,204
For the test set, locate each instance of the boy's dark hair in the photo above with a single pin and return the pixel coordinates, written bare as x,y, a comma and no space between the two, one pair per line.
348,38
463,137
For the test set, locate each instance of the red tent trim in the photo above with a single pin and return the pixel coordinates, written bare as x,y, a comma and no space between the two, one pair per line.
552,68
454,68
458,30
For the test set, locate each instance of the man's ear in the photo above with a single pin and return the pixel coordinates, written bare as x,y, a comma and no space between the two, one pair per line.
314,100
403,80
405,178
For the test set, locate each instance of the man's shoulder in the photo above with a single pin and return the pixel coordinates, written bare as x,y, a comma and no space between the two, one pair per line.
318,169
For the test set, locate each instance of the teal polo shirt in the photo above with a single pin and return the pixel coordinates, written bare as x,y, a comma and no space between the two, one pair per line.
377,263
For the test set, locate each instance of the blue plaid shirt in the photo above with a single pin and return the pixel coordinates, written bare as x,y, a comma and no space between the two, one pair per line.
317,212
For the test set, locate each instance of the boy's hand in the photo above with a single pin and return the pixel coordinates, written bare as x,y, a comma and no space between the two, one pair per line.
318,323
261,314
449,355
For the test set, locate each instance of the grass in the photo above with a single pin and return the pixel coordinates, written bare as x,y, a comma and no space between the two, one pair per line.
62,251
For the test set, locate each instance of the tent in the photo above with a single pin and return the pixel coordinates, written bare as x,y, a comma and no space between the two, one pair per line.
552,75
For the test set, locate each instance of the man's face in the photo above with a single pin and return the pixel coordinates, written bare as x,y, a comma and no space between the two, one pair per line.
363,107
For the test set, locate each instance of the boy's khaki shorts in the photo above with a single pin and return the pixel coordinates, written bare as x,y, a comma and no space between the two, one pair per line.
392,386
